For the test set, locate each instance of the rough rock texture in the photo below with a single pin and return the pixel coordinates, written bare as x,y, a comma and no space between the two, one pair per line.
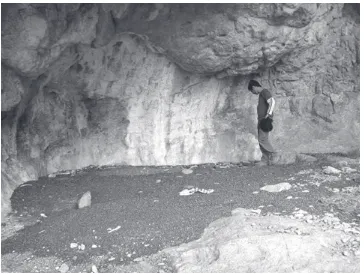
246,244
156,84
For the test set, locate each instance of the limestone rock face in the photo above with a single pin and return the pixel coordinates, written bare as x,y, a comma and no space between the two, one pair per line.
166,84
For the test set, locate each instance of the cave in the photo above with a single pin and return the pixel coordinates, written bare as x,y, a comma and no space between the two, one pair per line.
161,85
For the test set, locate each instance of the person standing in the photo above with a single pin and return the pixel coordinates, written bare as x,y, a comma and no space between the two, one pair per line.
265,109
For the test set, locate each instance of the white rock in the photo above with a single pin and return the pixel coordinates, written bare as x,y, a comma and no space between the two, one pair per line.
94,246
43,215
73,245
158,181
348,170
305,191
257,211
277,188
94,269
289,197
64,268
255,192
331,170
85,200
187,171
53,175
81,247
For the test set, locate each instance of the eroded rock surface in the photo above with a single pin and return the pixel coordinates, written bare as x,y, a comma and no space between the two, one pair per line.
248,243
156,84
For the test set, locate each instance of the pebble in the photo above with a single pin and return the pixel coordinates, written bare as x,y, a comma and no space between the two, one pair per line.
138,259
348,170
81,247
187,171
158,181
111,259
289,197
73,245
346,253
64,268
255,192
331,170
94,269
94,246
277,187
305,191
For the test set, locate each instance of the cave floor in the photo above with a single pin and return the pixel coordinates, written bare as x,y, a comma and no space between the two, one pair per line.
137,211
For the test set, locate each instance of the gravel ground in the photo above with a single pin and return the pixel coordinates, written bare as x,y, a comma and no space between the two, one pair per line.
145,205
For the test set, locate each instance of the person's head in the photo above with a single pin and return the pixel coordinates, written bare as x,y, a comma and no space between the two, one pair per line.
254,87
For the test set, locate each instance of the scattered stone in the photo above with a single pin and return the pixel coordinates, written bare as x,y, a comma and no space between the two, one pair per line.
289,197
305,191
81,247
335,190
138,259
94,269
74,258
85,200
53,175
331,170
187,171
156,201
346,253
158,181
43,215
73,245
190,191
348,170
256,211
306,171
277,188
64,268
111,259
255,192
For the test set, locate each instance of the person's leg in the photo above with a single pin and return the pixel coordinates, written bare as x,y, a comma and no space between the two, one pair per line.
265,146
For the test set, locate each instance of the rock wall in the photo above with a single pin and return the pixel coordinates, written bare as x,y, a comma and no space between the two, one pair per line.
166,84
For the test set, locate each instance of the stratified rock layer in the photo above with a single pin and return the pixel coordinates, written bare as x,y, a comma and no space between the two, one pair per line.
166,84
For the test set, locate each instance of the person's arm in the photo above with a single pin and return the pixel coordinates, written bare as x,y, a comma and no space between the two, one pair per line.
271,103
